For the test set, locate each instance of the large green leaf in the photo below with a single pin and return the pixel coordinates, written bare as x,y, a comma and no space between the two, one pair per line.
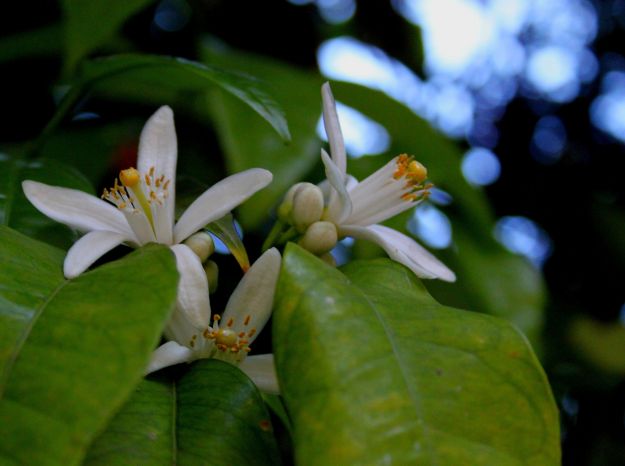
89,24
18,213
299,94
184,76
212,414
72,350
375,371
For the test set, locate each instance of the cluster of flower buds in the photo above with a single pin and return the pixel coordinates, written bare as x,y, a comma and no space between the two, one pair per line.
301,214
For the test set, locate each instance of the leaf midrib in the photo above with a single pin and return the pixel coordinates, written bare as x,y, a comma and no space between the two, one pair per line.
404,373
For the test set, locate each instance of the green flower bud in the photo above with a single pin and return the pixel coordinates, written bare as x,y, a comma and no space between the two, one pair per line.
320,237
307,206
286,207
201,244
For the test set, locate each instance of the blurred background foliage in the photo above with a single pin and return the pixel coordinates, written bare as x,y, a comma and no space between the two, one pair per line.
517,108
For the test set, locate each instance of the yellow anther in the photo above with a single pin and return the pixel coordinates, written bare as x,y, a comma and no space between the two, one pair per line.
230,322
417,171
247,319
216,317
129,177
147,180
151,172
401,164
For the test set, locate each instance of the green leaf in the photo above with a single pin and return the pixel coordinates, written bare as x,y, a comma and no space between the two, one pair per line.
71,351
31,44
299,93
184,76
18,213
212,414
89,24
375,371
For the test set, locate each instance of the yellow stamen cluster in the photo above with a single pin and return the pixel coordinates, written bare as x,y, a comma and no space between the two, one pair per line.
226,338
129,191
414,174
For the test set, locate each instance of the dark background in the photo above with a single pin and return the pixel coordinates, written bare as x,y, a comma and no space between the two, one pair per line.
577,200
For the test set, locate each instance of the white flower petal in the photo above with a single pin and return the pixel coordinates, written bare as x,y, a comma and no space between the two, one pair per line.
163,222
193,301
340,204
402,249
352,182
168,354
333,128
158,148
326,187
88,249
75,209
140,225
262,370
179,328
220,199
379,210
254,294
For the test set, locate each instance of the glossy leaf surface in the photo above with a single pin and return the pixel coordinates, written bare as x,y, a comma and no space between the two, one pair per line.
375,371
182,75
71,351
211,414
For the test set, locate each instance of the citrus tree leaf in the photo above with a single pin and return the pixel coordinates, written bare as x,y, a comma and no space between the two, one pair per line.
299,93
374,371
71,351
89,24
184,76
211,414
33,43
18,213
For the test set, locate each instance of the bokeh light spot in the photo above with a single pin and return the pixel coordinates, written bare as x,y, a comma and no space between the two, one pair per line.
481,166
431,226
523,236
